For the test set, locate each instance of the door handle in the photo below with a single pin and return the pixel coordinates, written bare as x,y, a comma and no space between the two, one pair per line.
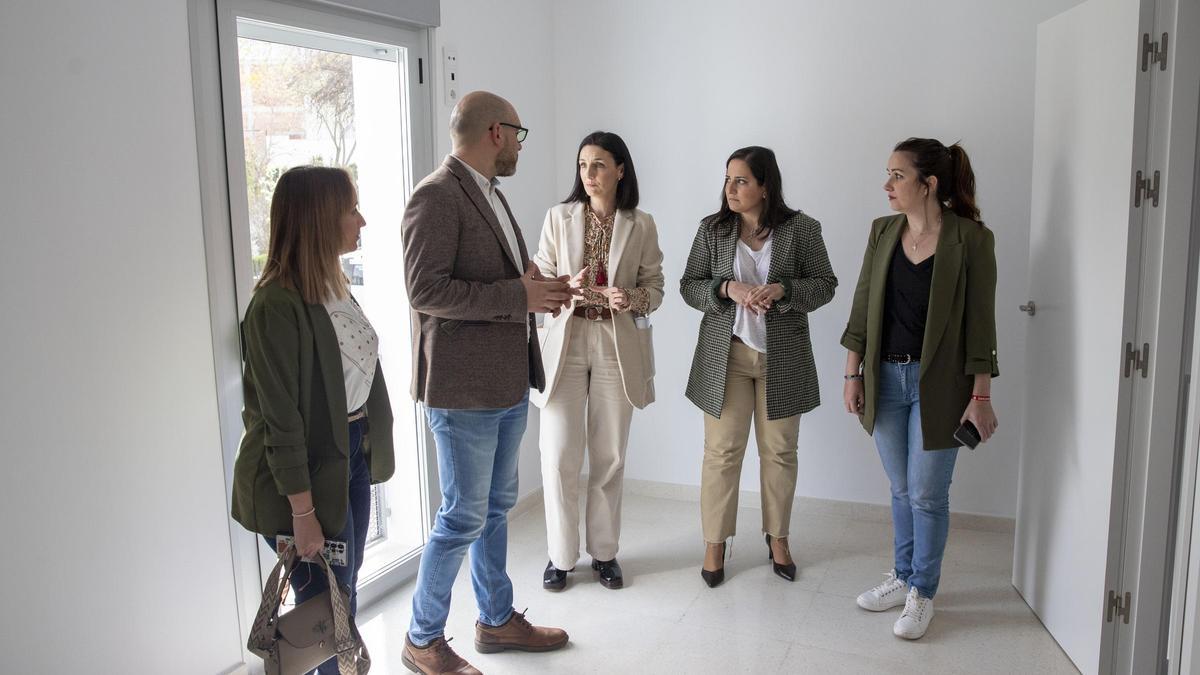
1029,309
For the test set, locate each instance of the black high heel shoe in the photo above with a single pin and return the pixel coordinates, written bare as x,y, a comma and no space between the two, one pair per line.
715,577
787,571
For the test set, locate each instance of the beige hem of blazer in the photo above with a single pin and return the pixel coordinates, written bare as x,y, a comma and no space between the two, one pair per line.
634,261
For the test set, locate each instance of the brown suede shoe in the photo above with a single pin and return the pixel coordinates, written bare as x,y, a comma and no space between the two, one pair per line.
517,633
435,658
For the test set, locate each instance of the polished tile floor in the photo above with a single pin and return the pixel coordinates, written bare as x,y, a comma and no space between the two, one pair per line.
667,621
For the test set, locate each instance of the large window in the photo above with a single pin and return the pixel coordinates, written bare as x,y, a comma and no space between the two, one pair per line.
302,87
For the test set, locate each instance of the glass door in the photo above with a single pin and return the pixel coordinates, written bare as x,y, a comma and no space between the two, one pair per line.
306,87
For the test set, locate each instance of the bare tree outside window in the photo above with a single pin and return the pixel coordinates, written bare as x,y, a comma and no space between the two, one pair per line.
297,108
327,85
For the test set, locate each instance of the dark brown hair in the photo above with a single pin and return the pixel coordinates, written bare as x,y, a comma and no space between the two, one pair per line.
627,187
951,167
765,168
306,237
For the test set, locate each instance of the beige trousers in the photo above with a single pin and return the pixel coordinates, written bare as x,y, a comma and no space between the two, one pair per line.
725,441
588,410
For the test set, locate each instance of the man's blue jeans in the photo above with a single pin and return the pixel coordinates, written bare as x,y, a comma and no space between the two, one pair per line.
309,580
920,478
477,465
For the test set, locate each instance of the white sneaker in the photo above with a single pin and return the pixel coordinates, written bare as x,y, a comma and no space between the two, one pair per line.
915,618
885,596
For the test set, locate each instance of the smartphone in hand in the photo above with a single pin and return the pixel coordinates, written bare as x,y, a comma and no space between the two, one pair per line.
967,434
334,551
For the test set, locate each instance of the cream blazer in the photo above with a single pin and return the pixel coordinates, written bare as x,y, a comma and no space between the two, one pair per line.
634,261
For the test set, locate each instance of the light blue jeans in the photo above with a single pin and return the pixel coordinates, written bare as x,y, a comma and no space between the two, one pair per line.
477,465
920,478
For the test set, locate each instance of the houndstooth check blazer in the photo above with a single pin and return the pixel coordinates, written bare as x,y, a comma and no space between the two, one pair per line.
800,263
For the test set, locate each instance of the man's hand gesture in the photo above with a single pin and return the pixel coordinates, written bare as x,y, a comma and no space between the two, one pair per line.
545,294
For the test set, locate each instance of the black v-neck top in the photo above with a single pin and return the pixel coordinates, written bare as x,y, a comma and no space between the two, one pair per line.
906,304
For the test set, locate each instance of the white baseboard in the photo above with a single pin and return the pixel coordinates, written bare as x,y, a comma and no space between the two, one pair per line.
803,505
813,505
527,503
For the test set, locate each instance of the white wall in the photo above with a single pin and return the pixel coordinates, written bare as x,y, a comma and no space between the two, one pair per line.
507,48
831,87
112,488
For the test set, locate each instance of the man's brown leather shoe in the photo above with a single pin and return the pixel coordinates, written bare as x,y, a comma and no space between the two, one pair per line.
517,633
435,658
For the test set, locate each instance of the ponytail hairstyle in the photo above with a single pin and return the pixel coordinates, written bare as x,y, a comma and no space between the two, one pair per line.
951,167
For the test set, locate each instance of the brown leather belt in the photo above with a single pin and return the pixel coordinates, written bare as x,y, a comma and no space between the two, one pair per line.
593,313
357,415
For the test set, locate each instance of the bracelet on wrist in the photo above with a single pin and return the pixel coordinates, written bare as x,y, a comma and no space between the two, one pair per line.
977,397
306,513
852,377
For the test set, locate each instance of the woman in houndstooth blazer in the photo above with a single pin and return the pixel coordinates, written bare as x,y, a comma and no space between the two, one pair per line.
757,268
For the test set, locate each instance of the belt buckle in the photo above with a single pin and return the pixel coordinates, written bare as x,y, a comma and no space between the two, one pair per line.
593,313
907,360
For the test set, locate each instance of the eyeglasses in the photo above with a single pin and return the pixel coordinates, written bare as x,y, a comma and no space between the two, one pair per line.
522,132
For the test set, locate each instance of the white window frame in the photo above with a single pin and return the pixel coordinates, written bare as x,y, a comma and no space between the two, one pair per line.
213,35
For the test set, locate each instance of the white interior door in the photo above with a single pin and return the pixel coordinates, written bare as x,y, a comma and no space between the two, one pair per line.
1079,247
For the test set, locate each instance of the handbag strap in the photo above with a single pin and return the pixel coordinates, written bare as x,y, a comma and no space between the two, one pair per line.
262,633
352,655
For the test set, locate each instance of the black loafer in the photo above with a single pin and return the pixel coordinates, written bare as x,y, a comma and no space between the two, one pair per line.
554,579
610,573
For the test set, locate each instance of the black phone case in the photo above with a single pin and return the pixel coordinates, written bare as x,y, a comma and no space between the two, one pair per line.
967,434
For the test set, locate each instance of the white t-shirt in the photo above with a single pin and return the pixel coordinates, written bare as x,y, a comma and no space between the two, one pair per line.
751,267
360,349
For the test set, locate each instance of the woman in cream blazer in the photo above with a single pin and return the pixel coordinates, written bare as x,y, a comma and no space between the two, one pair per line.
598,353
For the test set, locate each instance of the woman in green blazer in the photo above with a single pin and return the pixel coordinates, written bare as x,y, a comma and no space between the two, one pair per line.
921,344
318,420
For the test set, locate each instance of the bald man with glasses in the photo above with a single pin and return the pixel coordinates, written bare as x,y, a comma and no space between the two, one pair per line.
473,292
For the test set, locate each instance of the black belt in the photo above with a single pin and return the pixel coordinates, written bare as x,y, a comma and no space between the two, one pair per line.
901,358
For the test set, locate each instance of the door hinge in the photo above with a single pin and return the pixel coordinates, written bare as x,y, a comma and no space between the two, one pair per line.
1118,607
421,71
1154,52
1146,187
1135,361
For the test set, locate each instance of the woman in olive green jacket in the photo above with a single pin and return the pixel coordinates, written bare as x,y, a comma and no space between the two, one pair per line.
312,385
921,344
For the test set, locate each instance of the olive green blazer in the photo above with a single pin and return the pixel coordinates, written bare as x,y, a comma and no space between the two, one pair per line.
960,328
297,437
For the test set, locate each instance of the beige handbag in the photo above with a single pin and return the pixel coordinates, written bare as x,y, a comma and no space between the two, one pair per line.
314,631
